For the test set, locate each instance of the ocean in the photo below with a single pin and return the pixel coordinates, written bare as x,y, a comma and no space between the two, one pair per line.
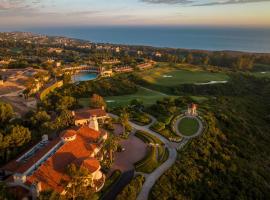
206,38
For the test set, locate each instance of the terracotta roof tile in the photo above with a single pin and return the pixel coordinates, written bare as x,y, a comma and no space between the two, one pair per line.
53,170
85,114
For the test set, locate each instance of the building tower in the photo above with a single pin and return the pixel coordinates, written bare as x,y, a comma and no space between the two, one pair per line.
192,110
93,123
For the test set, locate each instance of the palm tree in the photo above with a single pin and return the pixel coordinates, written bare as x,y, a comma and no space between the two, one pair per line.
111,145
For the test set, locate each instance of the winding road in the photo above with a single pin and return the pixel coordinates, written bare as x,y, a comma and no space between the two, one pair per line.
151,178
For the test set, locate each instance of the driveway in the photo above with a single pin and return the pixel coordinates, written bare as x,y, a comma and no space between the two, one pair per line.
135,150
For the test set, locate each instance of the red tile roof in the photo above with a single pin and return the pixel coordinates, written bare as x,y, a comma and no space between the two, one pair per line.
52,171
86,114
21,167
69,133
91,164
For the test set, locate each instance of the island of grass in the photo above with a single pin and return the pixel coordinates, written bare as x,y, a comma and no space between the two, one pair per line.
188,126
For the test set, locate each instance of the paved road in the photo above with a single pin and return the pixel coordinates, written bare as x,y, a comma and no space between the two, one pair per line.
151,178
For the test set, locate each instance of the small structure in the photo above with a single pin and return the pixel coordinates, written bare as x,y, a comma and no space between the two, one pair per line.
106,73
84,116
192,110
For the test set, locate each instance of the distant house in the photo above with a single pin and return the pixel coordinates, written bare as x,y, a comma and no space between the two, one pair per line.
146,65
83,116
56,50
44,166
111,62
124,69
106,73
158,54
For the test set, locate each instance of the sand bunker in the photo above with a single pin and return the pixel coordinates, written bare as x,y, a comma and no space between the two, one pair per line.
211,82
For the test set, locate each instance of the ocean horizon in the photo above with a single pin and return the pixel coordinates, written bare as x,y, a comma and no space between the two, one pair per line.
200,38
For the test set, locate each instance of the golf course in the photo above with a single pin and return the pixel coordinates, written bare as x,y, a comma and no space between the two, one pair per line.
167,76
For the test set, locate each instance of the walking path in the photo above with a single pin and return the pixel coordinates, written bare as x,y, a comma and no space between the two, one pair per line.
151,178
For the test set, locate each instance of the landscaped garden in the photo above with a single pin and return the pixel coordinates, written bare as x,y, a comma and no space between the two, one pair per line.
156,154
188,126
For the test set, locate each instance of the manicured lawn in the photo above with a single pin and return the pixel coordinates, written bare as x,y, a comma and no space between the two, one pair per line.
262,74
188,126
199,99
148,97
155,155
166,76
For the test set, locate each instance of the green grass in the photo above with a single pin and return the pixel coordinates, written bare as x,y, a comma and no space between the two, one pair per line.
260,74
166,76
149,163
148,97
155,155
188,126
147,138
199,99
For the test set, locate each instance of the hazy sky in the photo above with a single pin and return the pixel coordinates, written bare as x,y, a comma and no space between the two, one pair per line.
35,13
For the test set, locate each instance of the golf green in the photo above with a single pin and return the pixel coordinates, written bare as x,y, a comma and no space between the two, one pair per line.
188,126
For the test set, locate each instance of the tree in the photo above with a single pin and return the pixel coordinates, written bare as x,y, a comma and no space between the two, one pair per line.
4,194
111,145
6,113
65,102
189,58
205,60
19,136
67,79
78,185
39,118
124,121
97,101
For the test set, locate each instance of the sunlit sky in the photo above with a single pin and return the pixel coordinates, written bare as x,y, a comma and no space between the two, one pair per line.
42,13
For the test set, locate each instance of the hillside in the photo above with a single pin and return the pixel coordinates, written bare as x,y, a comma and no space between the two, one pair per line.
231,160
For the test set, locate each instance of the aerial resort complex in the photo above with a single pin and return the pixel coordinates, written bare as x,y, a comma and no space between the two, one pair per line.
85,120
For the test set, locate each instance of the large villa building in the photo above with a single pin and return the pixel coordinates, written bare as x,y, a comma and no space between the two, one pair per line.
43,167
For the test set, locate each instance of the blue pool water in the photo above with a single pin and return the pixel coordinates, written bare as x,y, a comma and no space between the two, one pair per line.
82,76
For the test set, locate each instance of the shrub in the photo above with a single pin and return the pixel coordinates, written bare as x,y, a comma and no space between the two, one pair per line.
132,190
158,126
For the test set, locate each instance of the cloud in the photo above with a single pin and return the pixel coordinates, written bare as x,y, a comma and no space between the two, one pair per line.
214,3
168,1
197,2
11,5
